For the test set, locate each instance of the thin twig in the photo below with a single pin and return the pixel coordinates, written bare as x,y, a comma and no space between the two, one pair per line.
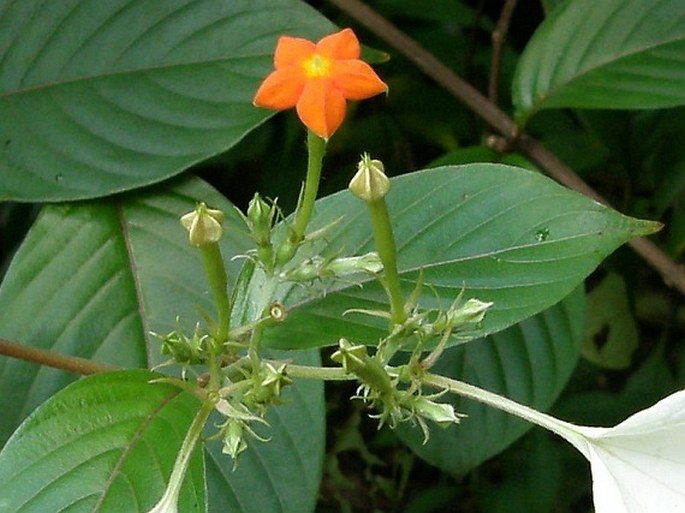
499,36
73,364
672,273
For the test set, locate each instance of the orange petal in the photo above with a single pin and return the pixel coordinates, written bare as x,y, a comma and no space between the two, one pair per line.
281,89
341,45
292,50
321,107
356,80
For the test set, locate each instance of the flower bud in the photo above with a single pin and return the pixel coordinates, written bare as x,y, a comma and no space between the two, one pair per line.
203,225
260,216
286,251
369,263
352,357
440,413
233,440
370,183
473,311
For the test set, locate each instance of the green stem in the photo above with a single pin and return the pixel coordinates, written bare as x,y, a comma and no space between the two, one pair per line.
322,373
169,501
218,283
385,245
316,147
253,349
565,430
215,374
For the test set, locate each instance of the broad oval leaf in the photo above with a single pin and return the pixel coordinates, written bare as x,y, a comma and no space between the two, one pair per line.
99,97
493,232
530,363
613,54
95,279
95,446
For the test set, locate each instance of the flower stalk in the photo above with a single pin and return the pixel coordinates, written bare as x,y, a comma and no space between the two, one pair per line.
204,231
218,284
565,430
316,148
370,184
169,501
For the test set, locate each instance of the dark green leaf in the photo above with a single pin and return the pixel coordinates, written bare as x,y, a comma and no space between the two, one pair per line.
611,54
105,443
99,97
495,232
94,280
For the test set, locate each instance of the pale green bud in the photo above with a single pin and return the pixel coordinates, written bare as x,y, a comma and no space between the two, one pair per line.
286,251
370,263
441,413
352,357
233,439
276,378
203,225
473,311
260,216
370,182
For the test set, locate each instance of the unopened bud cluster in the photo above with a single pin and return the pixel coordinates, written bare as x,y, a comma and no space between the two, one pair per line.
396,399
185,350
244,403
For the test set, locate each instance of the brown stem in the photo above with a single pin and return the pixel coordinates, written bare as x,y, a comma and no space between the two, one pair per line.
73,364
499,36
672,273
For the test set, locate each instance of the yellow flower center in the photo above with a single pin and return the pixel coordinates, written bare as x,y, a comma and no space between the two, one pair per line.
317,66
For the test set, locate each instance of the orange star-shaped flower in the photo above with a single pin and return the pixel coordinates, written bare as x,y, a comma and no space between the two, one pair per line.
318,79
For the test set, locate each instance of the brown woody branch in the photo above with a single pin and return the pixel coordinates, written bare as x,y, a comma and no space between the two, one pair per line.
672,273
499,36
74,364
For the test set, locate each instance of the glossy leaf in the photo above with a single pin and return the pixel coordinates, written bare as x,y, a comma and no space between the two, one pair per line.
94,280
99,97
613,54
530,363
95,446
493,232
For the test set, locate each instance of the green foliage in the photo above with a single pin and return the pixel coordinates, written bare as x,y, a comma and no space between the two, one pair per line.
95,447
110,273
101,99
105,97
467,232
628,57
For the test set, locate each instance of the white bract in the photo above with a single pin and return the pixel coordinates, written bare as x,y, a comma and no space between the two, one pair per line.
638,466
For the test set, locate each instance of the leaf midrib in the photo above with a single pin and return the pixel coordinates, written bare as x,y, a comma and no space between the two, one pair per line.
124,72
